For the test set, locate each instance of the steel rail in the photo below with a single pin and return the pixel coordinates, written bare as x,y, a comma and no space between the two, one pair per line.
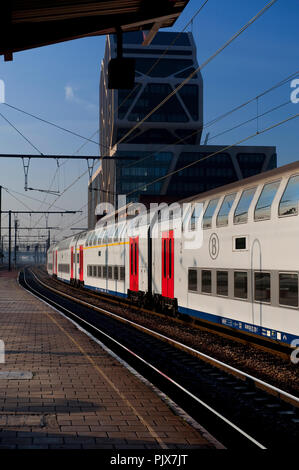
198,400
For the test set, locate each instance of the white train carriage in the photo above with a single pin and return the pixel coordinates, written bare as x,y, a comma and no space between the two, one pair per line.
245,273
105,259
77,264
136,236
166,260
233,260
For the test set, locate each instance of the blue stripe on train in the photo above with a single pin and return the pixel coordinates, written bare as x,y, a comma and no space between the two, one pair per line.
98,289
64,280
107,291
239,325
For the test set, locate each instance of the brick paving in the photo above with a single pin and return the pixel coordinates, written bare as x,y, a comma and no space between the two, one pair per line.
79,396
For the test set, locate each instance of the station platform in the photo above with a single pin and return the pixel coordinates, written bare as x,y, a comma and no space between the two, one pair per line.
61,389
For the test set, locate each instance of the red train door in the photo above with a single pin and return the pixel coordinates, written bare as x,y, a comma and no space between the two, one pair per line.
72,262
134,255
81,263
167,264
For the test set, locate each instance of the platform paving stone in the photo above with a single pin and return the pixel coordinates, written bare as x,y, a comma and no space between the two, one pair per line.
71,394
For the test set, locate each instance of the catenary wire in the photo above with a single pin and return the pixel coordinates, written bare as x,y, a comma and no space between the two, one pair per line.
20,133
223,149
163,54
275,108
206,62
183,83
218,118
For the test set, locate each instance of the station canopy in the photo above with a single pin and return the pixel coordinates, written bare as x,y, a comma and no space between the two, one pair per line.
25,24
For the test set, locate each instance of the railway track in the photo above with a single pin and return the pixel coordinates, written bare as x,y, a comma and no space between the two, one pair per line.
272,366
268,345
229,405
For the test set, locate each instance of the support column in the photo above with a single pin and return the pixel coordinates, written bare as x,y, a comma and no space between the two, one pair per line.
9,240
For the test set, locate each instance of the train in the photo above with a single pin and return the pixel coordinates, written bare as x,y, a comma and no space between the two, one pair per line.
229,256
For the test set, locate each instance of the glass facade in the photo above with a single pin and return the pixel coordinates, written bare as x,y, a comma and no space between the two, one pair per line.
155,51
151,96
161,38
189,136
202,176
153,136
250,163
186,73
189,95
163,68
131,176
126,98
157,142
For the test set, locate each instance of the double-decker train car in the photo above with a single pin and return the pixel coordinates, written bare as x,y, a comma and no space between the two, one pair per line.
228,256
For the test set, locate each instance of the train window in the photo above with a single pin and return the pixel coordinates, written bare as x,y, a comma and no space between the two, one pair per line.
222,283
99,271
192,279
207,218
289,202
77,257
104,272
88,238
115,274
240,243
109,272
196,213
288,289
110,233
262,288
89,271
94,271
115,236
95,239
222,217
240,284
206,281
241,212
263,206
122,273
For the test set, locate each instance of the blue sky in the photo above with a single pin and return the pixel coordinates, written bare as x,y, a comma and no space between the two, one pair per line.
61,83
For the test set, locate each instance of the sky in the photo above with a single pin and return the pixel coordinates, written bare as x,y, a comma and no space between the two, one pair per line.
60,83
